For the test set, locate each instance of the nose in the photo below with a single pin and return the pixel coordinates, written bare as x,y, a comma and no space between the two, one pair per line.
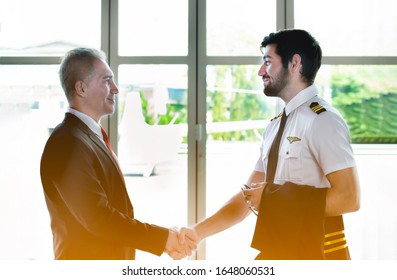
114,89
262,70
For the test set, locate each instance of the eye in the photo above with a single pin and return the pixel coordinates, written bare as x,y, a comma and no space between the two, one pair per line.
267,60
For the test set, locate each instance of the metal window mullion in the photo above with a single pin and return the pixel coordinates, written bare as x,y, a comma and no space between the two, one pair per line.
150,60
200,120
359,60
110,46
289,14
29,60
234,60
281,15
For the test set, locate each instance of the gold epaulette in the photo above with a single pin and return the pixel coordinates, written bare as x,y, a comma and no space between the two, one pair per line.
317,108
276,117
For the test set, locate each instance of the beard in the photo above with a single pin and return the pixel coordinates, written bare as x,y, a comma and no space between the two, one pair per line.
278,84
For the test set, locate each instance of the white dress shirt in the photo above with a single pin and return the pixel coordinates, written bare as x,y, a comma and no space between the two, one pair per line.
90,122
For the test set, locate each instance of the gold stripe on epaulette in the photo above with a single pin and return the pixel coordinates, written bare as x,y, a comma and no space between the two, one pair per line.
334,233
276,117
335,249
317,108
334,241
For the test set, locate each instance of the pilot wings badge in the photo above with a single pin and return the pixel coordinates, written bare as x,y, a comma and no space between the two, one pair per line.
293,139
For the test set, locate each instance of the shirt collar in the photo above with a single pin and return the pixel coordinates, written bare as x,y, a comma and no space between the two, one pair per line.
90,122
302,97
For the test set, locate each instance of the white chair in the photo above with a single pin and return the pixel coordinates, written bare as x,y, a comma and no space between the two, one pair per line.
142,146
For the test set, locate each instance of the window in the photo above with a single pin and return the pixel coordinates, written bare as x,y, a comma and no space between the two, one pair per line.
188,68
29,95
152,72
366,95
153,28
31,104
361,85
54,28
236,111
234,28
350,28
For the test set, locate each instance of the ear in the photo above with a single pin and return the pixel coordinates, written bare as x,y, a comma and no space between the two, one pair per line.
79,88
295,63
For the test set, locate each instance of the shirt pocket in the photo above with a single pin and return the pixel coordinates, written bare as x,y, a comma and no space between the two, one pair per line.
291,162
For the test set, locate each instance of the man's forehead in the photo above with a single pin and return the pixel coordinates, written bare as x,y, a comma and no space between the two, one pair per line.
103,67
269,52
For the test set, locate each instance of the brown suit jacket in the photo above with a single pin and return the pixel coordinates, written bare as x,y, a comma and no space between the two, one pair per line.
90,210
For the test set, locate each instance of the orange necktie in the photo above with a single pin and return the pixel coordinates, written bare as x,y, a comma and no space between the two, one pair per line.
106,139
107,142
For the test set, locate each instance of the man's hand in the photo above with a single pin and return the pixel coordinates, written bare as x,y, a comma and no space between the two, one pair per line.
176,249
189,236
253,194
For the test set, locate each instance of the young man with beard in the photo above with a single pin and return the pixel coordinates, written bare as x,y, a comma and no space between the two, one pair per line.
310,180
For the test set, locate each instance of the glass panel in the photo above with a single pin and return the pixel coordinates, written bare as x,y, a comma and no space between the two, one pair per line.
237,29
47,27
366,96
152,145
153,27
350,28
31,104
237,113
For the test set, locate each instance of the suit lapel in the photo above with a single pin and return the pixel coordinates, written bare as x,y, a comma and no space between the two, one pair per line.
101,145
70,118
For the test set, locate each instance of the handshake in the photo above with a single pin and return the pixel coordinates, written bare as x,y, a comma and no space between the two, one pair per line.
181,243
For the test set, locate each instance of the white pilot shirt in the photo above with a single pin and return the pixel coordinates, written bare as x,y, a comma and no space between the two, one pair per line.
312,146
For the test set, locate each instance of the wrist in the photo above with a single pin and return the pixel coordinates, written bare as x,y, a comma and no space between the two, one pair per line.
199,232
168,243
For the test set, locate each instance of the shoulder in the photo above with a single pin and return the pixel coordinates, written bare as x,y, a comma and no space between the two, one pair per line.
327,122
68,136
321,110
72,127
320,118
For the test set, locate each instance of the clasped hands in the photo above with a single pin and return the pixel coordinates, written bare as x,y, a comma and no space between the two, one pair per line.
181,244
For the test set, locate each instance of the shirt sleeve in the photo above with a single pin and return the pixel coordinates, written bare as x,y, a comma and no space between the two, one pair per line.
331,144
259,165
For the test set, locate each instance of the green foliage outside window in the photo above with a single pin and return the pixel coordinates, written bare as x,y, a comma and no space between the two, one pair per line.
175,112
236,106
367,98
